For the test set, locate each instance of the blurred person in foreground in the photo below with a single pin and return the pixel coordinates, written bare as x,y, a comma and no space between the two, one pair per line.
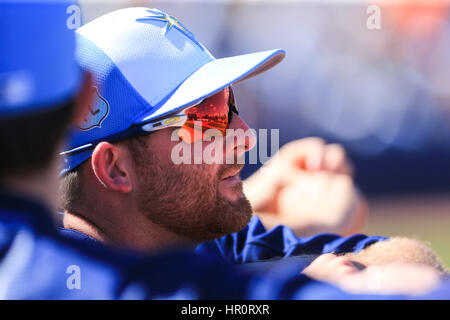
124,185
42,90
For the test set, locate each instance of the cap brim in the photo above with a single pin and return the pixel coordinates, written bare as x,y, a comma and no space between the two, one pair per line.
213,77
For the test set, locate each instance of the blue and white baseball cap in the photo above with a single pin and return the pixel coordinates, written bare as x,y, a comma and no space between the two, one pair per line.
147,65
38,69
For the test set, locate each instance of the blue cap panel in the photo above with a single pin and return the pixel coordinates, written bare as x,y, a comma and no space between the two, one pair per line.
116,102
37,61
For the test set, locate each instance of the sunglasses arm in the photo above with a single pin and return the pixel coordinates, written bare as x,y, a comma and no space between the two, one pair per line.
174,121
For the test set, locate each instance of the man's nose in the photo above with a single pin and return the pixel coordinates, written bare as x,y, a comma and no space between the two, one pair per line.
239,138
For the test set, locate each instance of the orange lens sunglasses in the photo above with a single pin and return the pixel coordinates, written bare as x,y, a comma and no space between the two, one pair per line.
215,112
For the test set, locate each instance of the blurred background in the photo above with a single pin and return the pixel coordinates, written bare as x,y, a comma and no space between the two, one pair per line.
383,93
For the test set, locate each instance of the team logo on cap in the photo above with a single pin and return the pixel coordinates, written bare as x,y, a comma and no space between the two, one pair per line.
171,22
97,113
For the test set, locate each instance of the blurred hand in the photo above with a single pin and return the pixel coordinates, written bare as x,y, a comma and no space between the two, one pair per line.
330,268
308,186
392,278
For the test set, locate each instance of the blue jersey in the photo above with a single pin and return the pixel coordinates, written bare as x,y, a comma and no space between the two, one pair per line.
254,243
36,262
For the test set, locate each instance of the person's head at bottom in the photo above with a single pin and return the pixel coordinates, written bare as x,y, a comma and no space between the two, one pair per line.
42,90
177,185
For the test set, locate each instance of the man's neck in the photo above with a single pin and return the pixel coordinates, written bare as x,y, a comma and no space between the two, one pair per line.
41,187
138,234
83,225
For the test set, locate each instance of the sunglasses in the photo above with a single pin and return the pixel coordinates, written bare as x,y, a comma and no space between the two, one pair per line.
215,112
196,122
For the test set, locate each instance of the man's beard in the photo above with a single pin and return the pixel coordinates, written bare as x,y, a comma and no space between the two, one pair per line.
185,200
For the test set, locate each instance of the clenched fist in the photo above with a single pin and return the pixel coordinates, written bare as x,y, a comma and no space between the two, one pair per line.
308,186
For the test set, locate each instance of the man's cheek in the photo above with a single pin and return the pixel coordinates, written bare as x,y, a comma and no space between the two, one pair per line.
209,153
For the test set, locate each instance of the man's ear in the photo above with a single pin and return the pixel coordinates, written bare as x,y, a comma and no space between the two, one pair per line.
110,166
84,99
